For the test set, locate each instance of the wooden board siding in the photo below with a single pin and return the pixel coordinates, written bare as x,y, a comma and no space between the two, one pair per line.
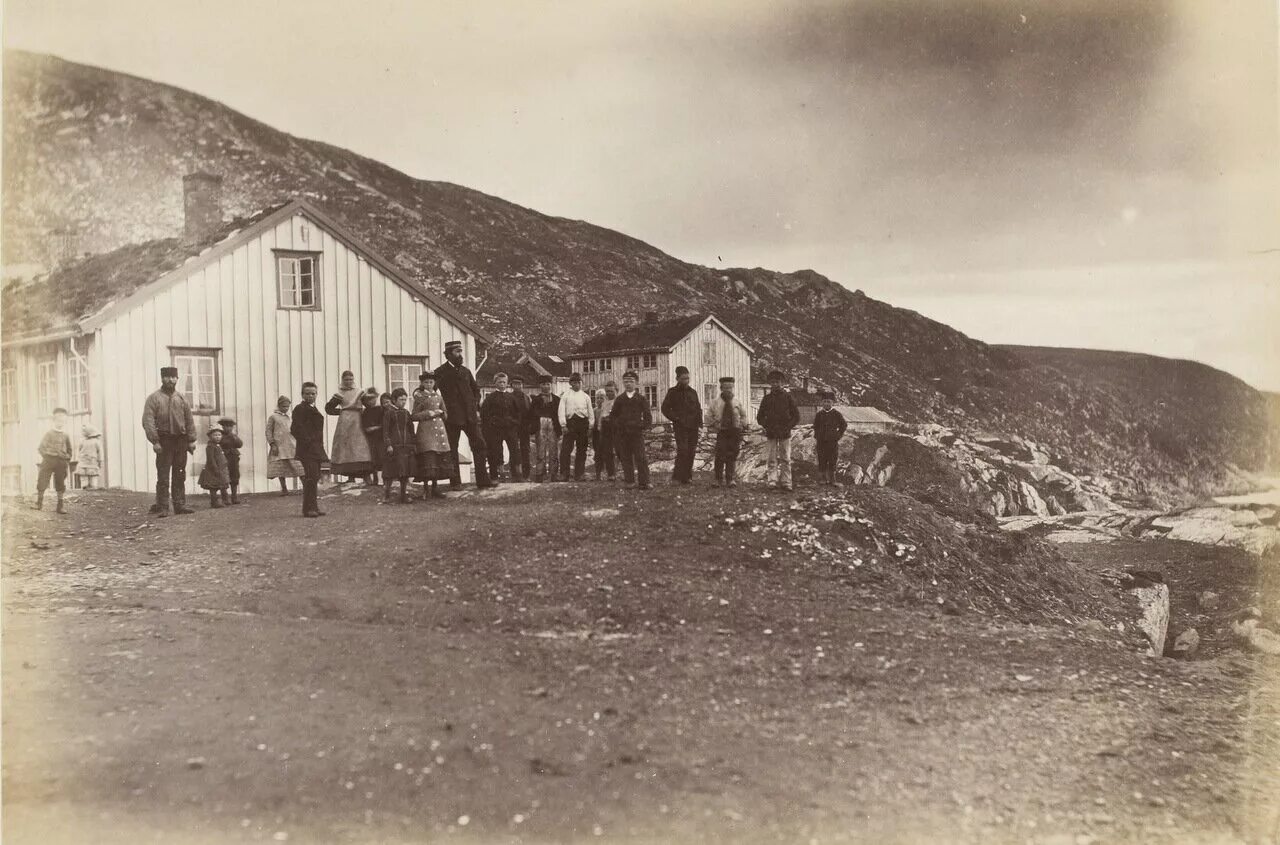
263,351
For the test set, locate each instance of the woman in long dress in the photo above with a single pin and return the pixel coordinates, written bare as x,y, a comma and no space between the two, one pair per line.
434,460
350,455
282,449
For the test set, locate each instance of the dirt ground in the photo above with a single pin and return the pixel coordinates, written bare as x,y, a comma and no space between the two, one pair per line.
578,663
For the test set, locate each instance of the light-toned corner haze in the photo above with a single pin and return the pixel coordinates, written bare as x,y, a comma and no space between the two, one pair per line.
1065,173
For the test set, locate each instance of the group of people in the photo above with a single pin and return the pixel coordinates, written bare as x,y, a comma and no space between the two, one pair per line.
402,436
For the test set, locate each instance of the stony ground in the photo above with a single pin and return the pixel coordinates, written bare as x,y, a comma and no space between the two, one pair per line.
578,663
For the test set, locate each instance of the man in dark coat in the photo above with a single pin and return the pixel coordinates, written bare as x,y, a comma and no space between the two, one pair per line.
683,408
171,428
499,419
461,397
631,417
520,455
778,415
828,427
307,428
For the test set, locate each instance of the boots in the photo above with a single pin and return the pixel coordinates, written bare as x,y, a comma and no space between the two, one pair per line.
404,492
235,495
39,500
214,501
226,498
386,491
60,508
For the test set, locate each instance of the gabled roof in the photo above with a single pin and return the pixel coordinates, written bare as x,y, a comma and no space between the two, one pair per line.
648,336
91,291
513,364
553,365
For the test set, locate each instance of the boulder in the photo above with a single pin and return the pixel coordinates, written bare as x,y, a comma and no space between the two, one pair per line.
1187,644
1255,638
1152,596
1209,600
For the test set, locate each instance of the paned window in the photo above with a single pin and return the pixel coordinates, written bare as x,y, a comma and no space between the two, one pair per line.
403,371
198,379
298,276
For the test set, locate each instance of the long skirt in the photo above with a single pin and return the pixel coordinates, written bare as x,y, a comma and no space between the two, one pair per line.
284,468
398,463
351,455
434,466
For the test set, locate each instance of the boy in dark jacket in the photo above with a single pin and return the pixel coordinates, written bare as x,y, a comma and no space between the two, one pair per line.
231,446
55,459
683,408
307,429
778,415
631,417
828,427
544,425
499,420
520,456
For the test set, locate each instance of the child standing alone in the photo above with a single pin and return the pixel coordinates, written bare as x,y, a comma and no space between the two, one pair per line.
55,457
214,475
89,457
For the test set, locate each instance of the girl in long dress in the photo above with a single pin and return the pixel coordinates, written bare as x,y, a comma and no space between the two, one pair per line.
435,463
371,422
89,456
350,455
282,449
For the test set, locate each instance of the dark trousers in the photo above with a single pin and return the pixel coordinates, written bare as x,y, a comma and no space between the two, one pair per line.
310,484
686,447
827,453
728,444
55,468
233,470
635,463
520,456
606,450
497,437
575,437
479,451
171,471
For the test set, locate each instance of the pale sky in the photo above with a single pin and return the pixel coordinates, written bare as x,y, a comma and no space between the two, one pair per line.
1069,172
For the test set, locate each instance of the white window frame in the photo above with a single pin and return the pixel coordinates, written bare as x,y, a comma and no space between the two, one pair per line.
710,393
649,361
289,277
77,385
650,392
9,393
47,385
633,362
199,378
404,370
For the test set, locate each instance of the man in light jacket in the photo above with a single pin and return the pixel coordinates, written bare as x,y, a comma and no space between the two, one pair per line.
171,430
576,414
778,415
728,419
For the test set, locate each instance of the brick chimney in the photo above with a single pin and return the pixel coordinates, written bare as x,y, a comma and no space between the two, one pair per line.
201,205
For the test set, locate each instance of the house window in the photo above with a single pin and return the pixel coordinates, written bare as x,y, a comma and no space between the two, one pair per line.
589,366
651,394
709,344
633,362
298,274
198,378
9,393
606,364
710,392
77,386
47,385
649,361
403,371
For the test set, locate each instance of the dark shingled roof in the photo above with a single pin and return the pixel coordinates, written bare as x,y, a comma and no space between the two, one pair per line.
650,335
78,290
554,364
508,364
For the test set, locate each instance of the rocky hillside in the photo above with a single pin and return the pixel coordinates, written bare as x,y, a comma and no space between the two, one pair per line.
105,152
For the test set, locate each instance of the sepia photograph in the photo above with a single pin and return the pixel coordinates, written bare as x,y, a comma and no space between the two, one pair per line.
640,421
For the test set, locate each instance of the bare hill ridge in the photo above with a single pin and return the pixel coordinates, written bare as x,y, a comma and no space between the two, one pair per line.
105,152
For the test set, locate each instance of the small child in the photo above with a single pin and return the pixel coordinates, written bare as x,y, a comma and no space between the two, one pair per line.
55,457
374,409
231,446
828,427
398,443
89,457
214,475
282,449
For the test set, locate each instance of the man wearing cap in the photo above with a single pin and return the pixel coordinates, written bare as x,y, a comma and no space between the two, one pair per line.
576,415
171,429
728,419
778,415
828,427
461,397
520,454
631,417
498,418
544,423
683,408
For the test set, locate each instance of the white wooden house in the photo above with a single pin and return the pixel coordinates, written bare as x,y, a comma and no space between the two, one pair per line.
247,311
654,348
